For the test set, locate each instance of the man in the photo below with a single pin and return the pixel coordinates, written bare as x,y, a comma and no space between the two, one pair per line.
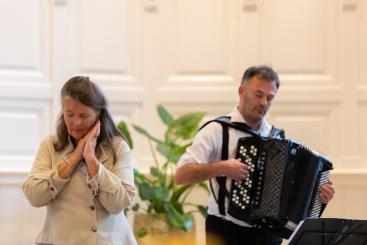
202,161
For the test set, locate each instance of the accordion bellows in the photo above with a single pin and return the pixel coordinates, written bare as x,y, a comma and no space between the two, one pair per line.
282,188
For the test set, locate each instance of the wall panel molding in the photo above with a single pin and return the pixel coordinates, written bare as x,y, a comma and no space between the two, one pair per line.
298,38
25,52
113,56
24,123
198,50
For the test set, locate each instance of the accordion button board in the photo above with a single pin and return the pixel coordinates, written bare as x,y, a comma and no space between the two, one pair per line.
246,193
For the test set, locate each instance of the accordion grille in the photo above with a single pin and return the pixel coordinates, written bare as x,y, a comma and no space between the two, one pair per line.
316,208
271,199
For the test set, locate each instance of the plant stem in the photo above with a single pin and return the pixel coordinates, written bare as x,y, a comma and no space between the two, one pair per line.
187,193
154,155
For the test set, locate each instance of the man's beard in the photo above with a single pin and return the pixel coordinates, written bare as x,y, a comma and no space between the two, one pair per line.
260,110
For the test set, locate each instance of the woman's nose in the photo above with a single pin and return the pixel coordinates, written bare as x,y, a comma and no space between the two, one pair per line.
77,121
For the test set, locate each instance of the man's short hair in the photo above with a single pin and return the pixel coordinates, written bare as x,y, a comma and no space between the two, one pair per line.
263,71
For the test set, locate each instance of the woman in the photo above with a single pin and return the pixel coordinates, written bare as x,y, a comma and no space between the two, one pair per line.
83,174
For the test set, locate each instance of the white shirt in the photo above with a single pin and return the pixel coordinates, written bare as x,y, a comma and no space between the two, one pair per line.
207,148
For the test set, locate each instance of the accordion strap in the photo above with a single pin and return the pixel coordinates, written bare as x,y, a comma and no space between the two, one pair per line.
225,122
277,133
222,192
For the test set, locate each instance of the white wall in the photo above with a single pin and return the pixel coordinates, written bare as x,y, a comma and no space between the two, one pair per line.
188,55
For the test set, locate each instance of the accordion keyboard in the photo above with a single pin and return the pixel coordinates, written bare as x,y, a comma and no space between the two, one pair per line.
247,193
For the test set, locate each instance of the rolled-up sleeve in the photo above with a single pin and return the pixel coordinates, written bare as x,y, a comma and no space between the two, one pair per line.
43,184
204,146
115,188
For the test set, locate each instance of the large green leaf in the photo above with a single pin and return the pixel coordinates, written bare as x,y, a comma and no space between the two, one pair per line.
170,152
157,205
162,178
177,219
122,126
164,115
203,210
178,206
148,192
164,149
155,172
184,127
142,131
176,153
139,177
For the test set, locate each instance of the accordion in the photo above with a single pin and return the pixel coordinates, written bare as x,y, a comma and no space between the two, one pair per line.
283,184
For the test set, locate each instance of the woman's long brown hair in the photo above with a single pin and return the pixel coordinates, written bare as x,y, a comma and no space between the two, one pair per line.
82,89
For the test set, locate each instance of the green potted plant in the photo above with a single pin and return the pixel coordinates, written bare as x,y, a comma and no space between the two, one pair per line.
160,196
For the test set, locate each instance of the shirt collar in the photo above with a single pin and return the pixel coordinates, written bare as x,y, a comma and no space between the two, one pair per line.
264,129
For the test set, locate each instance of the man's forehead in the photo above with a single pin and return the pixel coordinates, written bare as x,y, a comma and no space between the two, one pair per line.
261,78
259,82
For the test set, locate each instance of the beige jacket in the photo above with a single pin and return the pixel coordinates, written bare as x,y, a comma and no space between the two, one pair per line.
81,210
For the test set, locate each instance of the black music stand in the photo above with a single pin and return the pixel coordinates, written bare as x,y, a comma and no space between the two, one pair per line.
330,231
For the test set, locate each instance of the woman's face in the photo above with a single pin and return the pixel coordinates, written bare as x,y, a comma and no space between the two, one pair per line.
79,118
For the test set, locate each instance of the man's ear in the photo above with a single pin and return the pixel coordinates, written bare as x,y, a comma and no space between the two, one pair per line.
241,90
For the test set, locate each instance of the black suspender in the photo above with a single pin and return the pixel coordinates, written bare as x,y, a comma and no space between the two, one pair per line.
225,120
222,192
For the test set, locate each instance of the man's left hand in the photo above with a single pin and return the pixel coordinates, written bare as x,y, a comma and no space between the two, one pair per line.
327,192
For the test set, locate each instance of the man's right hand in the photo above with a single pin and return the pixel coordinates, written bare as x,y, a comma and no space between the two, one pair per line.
235,169
192,173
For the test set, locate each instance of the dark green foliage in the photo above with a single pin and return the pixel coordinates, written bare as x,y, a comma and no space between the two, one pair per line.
122,126
158,189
